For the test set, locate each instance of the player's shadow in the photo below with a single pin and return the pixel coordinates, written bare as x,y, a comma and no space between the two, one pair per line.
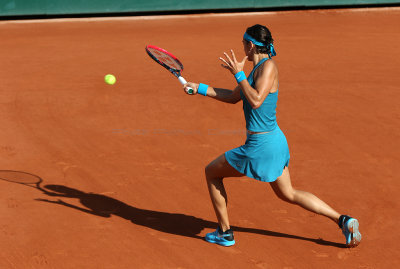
173,223
105,206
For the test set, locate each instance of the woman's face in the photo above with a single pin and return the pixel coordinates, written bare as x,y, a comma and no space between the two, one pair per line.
247,47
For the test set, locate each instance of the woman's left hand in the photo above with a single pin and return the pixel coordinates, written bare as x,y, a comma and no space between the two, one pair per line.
232,64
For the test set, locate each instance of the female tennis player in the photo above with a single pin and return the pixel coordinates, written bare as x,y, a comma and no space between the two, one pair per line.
265,154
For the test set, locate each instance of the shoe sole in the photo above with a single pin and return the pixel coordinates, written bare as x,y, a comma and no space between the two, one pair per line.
352,226
224,244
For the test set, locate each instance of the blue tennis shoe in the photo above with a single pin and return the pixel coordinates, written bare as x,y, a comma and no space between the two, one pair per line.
225,239
350,230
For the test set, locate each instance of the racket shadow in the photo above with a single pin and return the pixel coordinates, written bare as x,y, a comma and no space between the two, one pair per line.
172,223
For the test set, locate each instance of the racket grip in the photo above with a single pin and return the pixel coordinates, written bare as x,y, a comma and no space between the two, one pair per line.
183,82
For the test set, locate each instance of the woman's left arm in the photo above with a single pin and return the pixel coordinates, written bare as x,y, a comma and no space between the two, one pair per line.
255,96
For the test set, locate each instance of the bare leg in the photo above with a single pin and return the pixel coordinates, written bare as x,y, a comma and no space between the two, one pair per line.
284,190
215,172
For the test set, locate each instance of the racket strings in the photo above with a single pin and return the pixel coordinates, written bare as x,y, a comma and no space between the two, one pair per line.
166,59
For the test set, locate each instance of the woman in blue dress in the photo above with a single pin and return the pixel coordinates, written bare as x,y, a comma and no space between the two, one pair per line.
265,154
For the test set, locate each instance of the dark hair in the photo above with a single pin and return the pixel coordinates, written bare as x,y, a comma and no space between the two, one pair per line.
263,35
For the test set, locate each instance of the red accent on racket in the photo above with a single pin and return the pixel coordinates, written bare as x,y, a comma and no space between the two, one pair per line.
168,61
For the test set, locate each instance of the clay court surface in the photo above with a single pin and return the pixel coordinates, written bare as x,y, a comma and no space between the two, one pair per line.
122,166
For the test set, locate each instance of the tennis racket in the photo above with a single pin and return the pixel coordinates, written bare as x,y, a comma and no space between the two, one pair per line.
168,61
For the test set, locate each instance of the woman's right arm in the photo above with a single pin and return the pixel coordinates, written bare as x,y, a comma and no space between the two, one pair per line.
223,95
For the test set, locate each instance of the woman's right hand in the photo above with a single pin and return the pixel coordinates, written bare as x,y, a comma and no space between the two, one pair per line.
191,85
232,64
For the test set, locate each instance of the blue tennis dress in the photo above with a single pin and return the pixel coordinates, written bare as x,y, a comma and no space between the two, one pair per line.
263,156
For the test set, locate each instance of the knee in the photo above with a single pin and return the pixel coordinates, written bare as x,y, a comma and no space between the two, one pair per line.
288,196
208,171
211,172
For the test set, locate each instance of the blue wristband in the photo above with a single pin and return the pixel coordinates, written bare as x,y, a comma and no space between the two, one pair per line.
240,76
202,89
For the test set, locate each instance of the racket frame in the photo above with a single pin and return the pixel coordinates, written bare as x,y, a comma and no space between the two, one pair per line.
174,71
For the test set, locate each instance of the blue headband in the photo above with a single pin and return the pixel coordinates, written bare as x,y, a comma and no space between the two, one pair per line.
247,37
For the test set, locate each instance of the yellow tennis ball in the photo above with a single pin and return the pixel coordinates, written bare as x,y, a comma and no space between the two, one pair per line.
110,79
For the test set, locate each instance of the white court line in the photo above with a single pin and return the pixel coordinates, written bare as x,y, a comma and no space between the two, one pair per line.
206,15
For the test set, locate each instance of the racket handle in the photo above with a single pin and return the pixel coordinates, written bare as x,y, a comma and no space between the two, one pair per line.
183,82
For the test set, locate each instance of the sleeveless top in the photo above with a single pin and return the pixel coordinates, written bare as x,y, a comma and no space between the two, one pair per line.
262,119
